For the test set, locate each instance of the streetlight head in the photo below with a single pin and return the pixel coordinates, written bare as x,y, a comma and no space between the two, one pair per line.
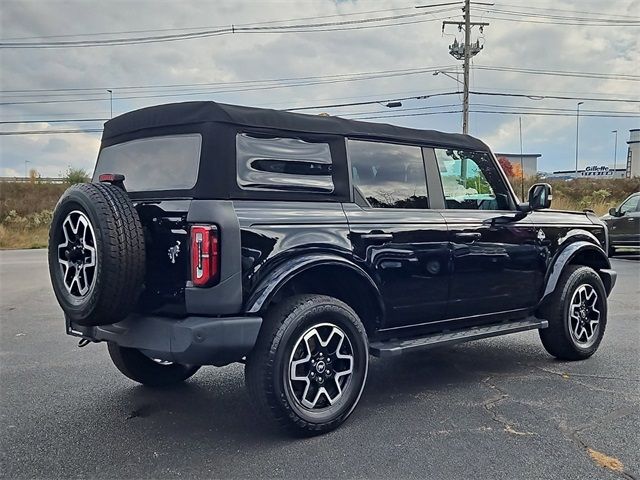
110,91
580,103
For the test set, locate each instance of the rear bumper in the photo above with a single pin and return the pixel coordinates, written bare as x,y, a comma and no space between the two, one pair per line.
192,340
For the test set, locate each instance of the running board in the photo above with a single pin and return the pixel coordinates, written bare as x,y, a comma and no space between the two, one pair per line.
396,347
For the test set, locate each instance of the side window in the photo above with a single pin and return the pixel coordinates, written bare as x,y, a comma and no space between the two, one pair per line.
471,181
388,175
630,205
283,164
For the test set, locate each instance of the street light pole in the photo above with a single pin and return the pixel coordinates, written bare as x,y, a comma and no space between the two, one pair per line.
577,133
111,101
615,152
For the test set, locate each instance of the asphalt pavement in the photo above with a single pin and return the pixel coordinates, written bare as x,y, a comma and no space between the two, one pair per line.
496,408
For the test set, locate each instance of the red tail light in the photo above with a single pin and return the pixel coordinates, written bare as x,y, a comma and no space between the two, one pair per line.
204,255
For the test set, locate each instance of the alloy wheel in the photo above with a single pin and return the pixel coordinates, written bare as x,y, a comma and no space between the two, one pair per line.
584,316
321,367
77,254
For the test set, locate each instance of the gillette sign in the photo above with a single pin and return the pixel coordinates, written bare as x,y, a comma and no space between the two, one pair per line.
595,171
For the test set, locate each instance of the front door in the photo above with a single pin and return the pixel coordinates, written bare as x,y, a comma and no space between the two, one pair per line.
495,265
395,237
625,229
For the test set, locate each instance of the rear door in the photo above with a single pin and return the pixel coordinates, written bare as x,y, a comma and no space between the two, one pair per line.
394,235
494,256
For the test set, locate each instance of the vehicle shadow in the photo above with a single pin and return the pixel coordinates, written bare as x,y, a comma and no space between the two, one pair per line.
214,404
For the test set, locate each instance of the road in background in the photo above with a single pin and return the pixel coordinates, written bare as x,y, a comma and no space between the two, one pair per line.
496,408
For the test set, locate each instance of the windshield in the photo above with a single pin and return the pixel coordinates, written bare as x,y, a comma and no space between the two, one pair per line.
154,163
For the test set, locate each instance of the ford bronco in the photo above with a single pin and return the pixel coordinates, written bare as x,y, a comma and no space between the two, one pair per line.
300,245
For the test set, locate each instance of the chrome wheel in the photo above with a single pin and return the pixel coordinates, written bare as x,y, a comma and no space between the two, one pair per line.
77,254
584,316
321,367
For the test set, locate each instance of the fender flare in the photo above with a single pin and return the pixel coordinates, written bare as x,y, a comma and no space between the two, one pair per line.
285,271
564,258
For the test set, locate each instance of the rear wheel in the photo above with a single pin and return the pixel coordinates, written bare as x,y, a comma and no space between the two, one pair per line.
147,371
577,315
309,366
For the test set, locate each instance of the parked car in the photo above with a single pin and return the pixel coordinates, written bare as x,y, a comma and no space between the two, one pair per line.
299,245
624,224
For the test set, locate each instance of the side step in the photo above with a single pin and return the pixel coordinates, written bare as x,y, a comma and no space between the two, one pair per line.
390,348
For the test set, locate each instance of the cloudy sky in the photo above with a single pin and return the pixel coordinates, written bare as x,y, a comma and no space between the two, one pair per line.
317,53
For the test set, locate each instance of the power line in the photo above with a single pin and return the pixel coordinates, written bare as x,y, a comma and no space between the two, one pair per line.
176,29
69,120
398,115
546,18
237,86
372,102
572,12
560,73
354,114
51,132
555,97
293,82
493,112
233,29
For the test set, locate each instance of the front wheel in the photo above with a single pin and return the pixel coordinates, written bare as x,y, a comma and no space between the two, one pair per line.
577,315
151,372
309,366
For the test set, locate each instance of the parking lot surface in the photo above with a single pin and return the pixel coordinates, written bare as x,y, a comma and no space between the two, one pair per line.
496,408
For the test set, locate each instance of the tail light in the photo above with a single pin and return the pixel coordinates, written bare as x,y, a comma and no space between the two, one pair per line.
205,255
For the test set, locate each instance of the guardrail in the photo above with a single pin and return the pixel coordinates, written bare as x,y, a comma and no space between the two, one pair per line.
33,180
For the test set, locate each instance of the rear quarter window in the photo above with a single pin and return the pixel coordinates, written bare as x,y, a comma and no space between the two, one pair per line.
156,163
283,164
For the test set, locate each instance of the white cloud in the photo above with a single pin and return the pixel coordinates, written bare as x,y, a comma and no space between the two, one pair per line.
264,56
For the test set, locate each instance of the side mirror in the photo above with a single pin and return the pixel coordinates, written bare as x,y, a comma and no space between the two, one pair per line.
614,212
540,196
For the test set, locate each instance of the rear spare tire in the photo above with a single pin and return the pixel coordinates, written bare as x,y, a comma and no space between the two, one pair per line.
96,254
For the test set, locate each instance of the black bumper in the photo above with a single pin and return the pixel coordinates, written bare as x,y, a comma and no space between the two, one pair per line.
191,340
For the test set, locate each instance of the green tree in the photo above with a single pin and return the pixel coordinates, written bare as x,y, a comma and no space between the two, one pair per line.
76,175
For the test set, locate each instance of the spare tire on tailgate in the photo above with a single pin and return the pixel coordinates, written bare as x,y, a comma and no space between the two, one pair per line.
96,254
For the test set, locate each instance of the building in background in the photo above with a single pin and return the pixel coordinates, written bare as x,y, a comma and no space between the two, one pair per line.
633,154
529,164
596,172
632,168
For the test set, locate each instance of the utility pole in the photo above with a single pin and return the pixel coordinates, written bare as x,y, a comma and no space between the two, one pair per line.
464,52
467,57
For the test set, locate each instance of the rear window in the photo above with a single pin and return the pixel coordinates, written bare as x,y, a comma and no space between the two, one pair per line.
156,163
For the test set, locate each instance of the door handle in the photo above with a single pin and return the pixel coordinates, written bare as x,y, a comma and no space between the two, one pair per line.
468,237
379,236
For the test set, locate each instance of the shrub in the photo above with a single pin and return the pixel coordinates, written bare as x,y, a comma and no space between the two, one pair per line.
76,175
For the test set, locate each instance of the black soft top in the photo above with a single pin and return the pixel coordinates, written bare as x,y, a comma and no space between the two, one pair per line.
186,113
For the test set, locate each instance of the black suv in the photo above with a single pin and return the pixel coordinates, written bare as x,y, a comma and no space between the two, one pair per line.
299,245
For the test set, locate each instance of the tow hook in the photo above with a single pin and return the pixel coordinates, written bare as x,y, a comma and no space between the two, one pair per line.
83,342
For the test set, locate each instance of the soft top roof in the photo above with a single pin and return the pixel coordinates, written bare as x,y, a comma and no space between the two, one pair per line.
185,113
